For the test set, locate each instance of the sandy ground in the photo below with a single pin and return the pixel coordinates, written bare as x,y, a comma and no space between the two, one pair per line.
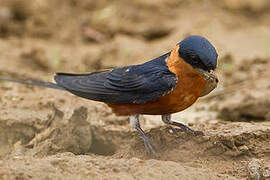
50,134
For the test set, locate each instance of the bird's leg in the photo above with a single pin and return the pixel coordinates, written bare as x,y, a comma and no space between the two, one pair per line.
167,120
135,123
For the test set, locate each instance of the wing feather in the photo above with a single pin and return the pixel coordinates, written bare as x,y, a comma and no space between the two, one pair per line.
130,84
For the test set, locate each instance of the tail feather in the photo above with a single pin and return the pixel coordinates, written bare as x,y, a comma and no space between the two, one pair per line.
34,83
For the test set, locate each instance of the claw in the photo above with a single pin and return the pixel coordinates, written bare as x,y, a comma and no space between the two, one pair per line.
188,130
182,128
148,144
134,122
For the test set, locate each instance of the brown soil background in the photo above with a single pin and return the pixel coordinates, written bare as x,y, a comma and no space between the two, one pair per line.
50,134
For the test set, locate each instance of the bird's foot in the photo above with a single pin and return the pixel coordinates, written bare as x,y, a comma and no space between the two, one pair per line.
148,144
135,123
181,127
186,129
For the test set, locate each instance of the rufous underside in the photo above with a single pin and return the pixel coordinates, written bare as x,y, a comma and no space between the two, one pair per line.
189,87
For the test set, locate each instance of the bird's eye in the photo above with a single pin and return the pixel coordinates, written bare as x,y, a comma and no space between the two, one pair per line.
195,58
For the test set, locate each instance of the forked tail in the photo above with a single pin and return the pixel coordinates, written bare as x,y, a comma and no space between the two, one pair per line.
34,83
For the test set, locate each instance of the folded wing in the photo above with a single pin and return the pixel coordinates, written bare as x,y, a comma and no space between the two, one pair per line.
131,84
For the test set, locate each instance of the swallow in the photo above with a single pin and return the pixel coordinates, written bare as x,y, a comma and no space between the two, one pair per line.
162,86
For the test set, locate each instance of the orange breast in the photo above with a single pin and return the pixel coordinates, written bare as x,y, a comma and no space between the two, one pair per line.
189,87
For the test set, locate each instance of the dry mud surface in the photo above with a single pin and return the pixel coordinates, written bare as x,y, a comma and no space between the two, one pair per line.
50,134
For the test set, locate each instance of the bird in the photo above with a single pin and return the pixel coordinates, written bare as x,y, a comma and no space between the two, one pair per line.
162,86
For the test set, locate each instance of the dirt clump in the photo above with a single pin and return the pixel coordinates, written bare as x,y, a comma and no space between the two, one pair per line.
47,136
71,135
248,109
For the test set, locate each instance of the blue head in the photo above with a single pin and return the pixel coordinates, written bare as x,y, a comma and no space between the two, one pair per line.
198,52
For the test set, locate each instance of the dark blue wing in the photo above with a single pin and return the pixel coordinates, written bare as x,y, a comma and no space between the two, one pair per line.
131,84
